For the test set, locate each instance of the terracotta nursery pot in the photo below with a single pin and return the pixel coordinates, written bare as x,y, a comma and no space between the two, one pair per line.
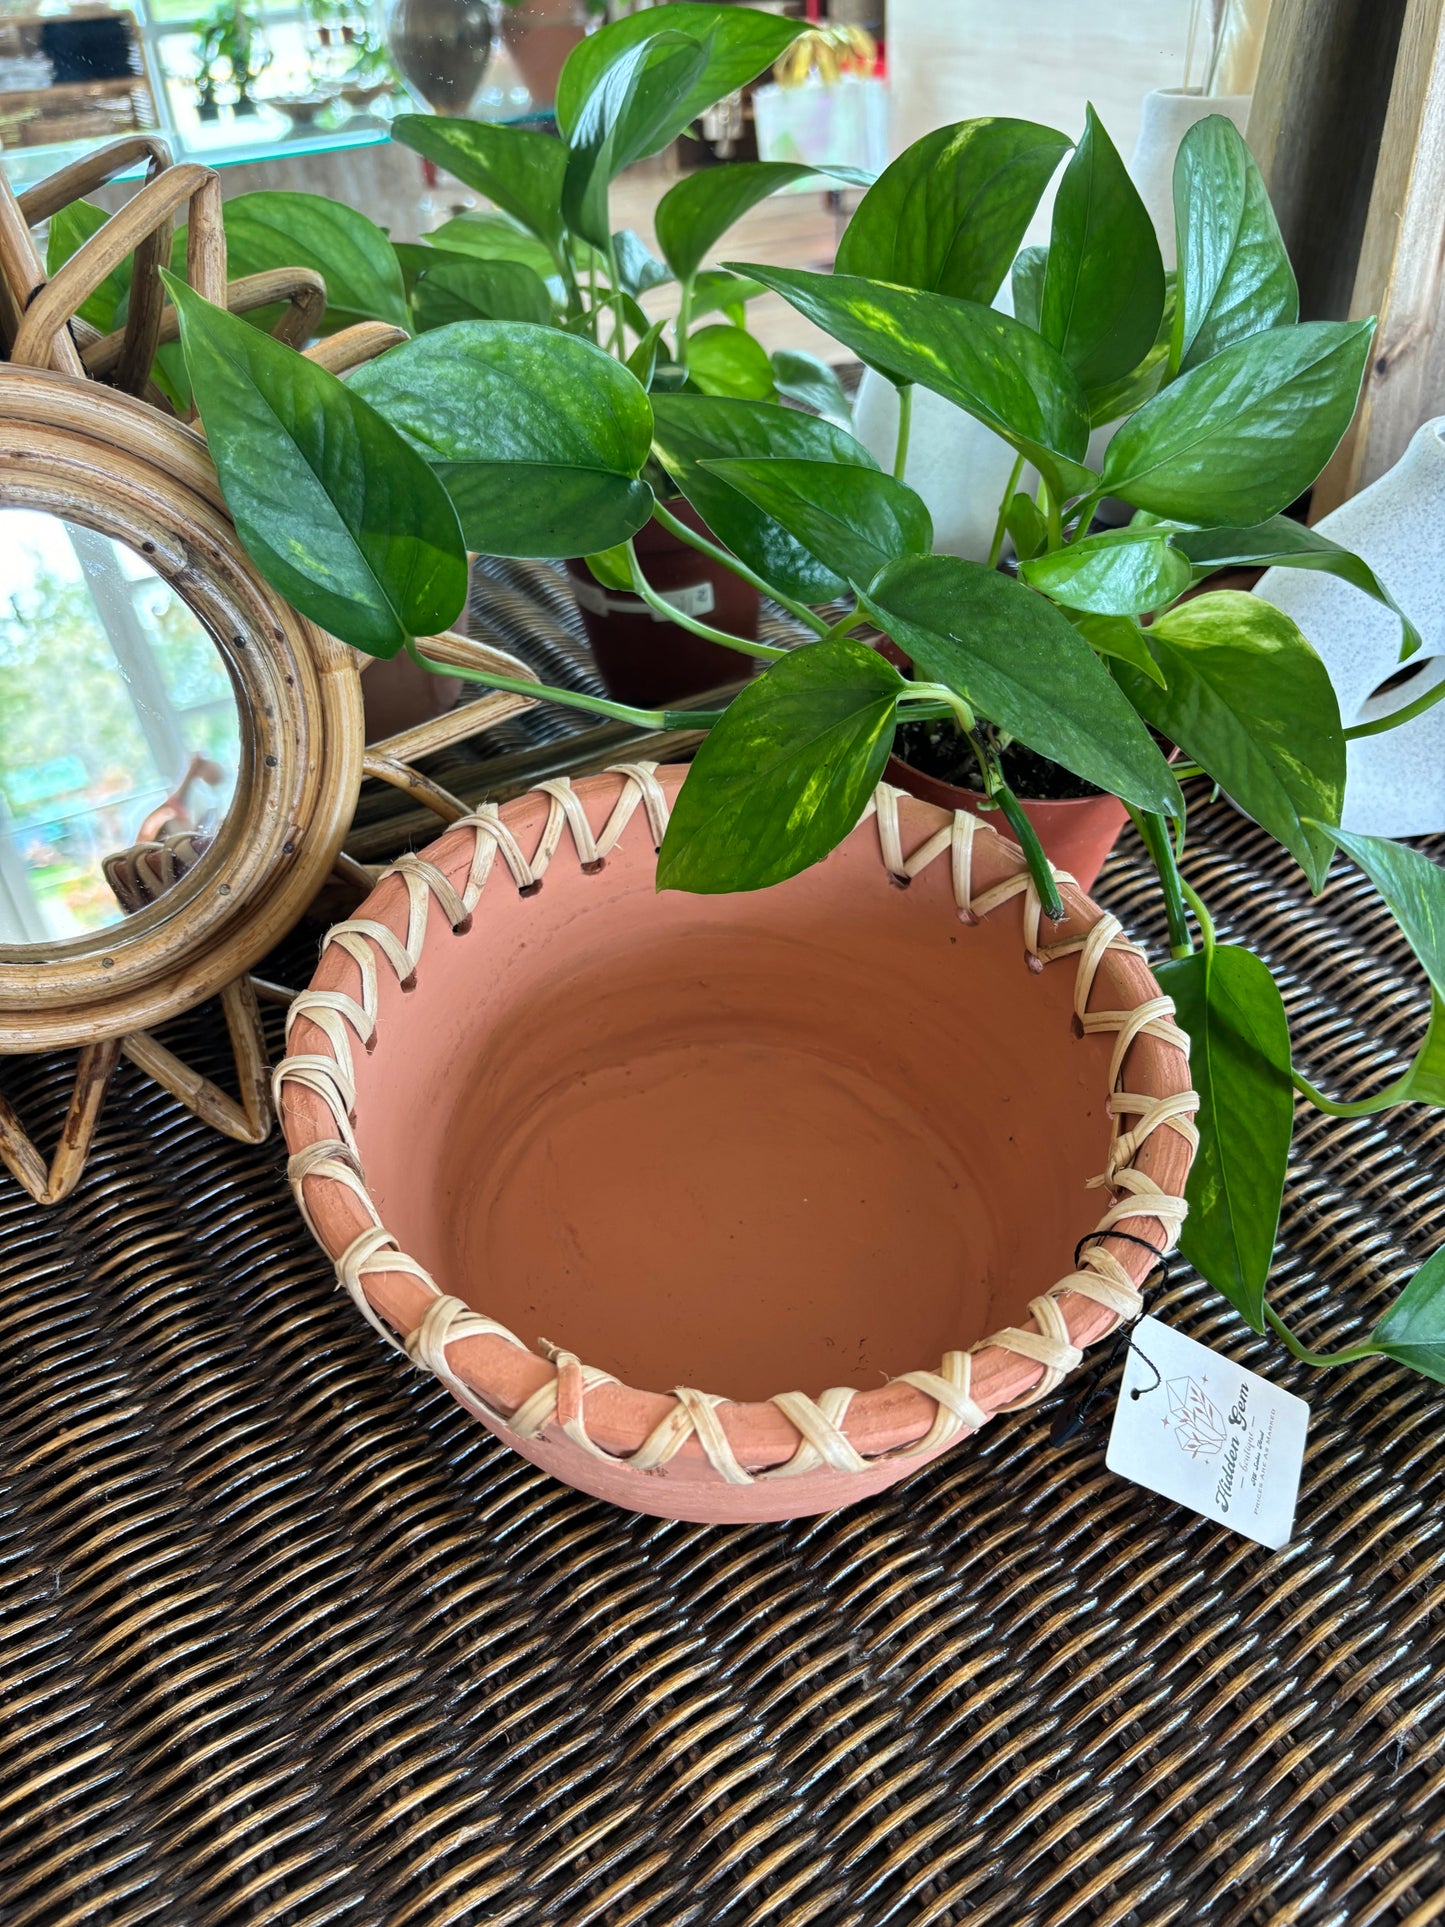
1077,832
647,661
575,1144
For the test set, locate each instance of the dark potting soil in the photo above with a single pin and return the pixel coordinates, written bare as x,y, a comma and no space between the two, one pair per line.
937,749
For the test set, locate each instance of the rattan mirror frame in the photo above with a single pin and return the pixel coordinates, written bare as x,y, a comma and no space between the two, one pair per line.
86,435
112,464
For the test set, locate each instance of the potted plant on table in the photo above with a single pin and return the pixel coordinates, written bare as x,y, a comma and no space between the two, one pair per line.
548,255
492,426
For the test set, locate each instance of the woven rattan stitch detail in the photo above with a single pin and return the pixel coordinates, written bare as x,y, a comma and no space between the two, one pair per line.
819,1423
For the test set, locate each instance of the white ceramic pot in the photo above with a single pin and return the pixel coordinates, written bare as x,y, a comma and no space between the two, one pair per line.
1396,781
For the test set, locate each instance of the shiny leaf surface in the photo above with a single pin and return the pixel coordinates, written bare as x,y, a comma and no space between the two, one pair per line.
787,772
1239,437
854,520
1103,288
1021,663
538,437
1250,701
690,429
337,512
986,363
1235,279
949,213
1240,1065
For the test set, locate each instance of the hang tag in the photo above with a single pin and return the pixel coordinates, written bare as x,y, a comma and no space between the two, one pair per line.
1197,1429
692,599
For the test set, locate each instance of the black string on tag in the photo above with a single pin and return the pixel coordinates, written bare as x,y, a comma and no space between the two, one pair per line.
1073,1416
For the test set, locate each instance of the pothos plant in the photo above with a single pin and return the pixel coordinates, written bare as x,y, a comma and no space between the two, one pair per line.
359,500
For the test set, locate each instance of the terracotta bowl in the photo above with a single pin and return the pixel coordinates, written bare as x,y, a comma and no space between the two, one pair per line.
623,1167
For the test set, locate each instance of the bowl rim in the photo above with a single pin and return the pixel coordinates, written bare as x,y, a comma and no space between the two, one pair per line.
553,1399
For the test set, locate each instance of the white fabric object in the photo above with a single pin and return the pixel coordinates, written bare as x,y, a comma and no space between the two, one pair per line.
1169,113
1396,781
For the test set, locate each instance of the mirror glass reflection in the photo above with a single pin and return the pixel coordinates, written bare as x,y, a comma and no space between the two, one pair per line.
119,732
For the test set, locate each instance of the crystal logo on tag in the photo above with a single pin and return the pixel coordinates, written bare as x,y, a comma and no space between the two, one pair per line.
1197,1429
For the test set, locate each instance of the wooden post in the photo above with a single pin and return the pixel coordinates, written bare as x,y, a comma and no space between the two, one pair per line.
1348,126
1400,275
1314,127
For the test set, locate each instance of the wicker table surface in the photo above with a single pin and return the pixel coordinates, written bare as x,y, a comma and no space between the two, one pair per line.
286,1637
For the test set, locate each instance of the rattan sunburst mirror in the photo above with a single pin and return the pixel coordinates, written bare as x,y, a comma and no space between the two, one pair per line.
118,500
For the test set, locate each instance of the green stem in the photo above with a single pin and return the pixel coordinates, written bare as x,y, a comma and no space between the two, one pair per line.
1348,1356
1398,716
1002,798
763,650
1083,512
845,625
682,327
938,692
1360,1107
1000,527
620,344
928,711
567,262
905,422
1155,833
1053,516
1051,903
570,698
1201,916
701,543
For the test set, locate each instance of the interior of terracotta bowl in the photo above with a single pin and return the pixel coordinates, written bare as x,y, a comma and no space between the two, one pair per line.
814,1136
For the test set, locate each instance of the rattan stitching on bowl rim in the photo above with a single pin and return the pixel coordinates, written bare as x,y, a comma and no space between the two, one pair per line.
820,1423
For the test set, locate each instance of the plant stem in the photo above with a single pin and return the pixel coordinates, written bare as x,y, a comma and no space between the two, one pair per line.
928,711
1000,527
1002,797
763,650
1359,1107
567,263
1083,512
570,698
1348,1356
682,327
1051,903
1155,833
905,422
846,624
1053,516
701,543
1396,717
1201,916
620,344
937,692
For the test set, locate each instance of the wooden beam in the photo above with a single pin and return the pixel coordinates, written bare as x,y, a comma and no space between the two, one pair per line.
1400,275
1315,125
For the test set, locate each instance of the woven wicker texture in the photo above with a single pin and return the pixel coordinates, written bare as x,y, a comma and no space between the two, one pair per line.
286,1637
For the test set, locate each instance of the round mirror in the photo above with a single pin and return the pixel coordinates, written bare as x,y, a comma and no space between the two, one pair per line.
120,737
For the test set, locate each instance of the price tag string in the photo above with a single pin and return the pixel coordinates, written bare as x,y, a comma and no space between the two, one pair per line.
1073,1416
